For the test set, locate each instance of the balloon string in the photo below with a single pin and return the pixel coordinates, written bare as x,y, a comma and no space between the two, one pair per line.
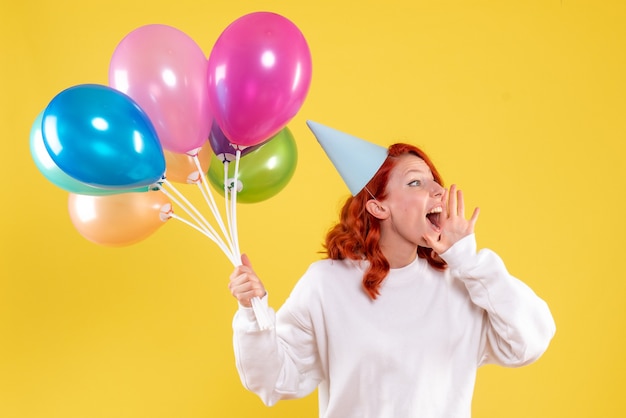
260,313
189,206
232,252
206,233
235,234
201,225
207,229
208,197
226,200
227,239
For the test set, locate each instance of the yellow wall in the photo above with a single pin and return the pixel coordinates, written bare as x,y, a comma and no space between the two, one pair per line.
522,103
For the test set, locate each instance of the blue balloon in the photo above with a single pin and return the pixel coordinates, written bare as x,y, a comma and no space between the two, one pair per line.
101,137
56,176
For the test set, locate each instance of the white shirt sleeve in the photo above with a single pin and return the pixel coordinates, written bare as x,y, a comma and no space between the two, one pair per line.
276,363
518,324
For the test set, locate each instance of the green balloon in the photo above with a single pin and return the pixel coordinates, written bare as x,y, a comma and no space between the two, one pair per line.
263,172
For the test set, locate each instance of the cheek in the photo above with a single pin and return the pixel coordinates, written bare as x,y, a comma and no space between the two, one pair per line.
416,204
411,207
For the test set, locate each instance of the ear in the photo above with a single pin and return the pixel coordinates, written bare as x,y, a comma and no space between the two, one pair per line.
377,209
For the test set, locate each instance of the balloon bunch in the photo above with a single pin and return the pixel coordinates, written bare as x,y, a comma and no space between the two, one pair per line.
170,115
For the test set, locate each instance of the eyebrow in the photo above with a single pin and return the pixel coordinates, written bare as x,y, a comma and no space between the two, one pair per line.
416,170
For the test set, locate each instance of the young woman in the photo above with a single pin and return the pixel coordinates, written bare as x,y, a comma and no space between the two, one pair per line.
396,320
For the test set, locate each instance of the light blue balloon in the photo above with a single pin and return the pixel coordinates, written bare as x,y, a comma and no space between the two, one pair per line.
55,175
101,137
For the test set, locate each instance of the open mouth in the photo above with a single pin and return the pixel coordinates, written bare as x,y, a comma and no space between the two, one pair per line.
434,216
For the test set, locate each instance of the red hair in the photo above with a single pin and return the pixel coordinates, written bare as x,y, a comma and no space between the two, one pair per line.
356,235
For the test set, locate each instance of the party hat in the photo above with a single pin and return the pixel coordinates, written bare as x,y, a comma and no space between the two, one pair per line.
356,160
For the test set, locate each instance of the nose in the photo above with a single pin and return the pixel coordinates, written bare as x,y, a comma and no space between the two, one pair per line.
436,189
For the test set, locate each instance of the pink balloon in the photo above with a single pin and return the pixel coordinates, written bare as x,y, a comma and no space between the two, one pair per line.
164,71
259,76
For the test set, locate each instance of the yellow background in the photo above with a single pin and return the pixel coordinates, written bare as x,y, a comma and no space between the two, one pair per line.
522,103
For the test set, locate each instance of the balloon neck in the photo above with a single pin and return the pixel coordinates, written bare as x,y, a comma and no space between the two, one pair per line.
194,152
231,185
226,157
194,178
238,147
166,212
157,185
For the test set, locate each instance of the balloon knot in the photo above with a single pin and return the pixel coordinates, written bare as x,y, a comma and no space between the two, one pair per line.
194,178
166,212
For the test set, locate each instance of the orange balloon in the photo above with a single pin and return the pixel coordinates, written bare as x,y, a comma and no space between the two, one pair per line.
180,168
119,219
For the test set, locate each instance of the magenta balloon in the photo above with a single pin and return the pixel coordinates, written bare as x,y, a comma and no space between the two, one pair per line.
259,75
164,71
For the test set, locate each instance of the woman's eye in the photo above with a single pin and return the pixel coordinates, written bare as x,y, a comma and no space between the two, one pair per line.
415,183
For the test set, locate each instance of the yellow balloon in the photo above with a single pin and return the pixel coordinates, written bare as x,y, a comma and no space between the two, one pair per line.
119,219
181,168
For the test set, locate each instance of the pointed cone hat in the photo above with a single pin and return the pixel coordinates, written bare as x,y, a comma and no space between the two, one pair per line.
355,159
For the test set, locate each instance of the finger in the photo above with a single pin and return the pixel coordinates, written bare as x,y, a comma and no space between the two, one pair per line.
238,279
243,297
474,218
460,206
452,202
236,273
240,270
247,291
444,200
431,243
241,288
235,282
245,260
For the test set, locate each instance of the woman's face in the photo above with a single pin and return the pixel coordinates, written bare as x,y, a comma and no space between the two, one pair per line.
414,204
